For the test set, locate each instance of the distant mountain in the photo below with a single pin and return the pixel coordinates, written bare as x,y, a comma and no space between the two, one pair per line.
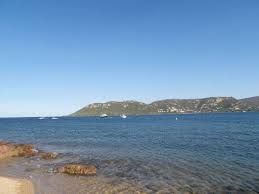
114,108
252,101
212,104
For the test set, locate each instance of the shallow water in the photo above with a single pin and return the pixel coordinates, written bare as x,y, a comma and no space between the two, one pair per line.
197,153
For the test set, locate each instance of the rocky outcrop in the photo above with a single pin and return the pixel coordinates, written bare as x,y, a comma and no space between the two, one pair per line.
74,169
16,150
26,150
48,155
8,150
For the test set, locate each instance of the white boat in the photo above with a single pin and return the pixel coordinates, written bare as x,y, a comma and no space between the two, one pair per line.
176,118
54,118
41,118
123,116
103,115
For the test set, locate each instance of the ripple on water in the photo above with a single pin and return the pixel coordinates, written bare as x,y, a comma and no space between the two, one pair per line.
199,153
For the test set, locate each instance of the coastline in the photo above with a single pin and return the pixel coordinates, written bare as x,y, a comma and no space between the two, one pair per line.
35,179
159,114
26,173
10,185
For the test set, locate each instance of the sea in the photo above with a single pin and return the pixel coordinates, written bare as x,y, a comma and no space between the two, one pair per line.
186,153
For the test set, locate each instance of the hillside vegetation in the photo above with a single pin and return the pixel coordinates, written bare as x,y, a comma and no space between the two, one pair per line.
212,104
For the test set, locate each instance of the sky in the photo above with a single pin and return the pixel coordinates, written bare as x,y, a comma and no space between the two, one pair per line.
57,56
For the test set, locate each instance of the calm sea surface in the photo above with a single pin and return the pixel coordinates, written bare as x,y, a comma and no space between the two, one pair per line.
197,152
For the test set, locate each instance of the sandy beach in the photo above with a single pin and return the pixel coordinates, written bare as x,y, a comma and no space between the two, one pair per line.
15,186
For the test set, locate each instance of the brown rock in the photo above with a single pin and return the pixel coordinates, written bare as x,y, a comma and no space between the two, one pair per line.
4,148
26,150
49,155
75,169
14,150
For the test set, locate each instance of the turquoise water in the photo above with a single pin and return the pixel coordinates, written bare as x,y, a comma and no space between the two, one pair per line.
196,153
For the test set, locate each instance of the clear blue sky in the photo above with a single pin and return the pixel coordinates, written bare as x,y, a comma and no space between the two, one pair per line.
57,56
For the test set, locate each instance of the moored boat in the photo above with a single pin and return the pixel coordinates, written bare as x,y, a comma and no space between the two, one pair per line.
123,116
103,115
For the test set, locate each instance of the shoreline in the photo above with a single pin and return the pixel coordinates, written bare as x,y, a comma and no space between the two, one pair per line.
25,170
40,180
10,185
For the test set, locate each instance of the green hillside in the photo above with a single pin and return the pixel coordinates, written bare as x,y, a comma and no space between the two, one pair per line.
170,106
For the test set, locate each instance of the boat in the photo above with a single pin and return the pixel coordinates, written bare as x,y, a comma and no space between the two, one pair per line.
123,116
41,118
54,118
176,118
103,115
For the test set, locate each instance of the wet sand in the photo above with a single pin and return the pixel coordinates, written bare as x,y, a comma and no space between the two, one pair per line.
15,186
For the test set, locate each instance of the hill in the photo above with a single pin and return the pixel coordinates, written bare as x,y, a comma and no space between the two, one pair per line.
253,100
211,104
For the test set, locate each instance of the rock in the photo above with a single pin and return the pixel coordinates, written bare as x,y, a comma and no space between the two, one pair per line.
49,155
4,147
26,150
16,150
51,170
75,169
